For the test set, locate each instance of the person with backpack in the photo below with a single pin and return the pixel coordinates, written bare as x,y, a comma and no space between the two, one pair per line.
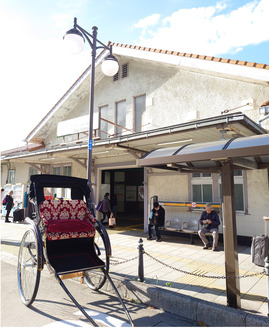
9,204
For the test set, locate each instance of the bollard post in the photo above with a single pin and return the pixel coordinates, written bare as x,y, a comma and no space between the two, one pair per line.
266,267
140,261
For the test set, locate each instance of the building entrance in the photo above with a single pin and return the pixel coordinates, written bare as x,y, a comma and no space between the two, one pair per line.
126,190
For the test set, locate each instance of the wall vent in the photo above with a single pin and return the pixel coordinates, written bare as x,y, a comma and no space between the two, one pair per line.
116,77
124,71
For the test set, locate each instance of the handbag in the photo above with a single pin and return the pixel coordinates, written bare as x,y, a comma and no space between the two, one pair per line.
152,219
112,221
100,206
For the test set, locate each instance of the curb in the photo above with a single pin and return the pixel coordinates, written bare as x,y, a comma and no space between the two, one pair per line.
190,308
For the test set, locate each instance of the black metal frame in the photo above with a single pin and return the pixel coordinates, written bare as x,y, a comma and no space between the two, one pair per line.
38,182
94,47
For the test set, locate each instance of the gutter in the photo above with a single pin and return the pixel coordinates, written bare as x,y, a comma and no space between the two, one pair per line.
236,117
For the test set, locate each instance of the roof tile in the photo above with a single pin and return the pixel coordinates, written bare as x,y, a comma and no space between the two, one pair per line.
203,57
260,66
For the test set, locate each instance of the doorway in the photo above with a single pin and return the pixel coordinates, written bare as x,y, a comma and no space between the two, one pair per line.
127,186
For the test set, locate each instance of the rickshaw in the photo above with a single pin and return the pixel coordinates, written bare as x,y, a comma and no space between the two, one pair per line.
64,235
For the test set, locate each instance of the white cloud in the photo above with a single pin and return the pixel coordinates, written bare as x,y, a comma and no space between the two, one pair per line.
147,21
208,30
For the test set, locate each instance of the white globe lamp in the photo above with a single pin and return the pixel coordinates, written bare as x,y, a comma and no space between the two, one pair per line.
110,65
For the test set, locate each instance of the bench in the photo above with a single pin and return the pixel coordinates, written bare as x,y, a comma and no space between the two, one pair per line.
66,219
190,226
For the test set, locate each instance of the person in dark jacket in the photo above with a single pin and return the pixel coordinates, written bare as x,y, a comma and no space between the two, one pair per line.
106,208
9,205
210,221
157,220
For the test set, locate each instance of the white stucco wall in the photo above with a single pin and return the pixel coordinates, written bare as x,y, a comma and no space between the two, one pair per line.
258,201
176,188
173,96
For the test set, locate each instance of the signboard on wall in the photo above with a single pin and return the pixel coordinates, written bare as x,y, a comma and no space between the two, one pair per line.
77,125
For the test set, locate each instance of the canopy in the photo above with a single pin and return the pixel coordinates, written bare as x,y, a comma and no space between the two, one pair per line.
220,156
245,152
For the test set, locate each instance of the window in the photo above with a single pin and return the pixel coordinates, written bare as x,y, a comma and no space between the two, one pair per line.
121,114
67,171
201,175
202,193
105,177
56,170
33,171
202,187
61,192
119,176
11,176
106,129
140,112
238,190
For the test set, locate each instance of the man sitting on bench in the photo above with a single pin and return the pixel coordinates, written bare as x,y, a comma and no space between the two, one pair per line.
210,221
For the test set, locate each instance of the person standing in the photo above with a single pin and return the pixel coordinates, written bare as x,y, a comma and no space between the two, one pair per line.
2,194
2,197
210,221
9,205
158,214
106,208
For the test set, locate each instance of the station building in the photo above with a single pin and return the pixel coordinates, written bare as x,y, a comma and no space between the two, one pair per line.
158,99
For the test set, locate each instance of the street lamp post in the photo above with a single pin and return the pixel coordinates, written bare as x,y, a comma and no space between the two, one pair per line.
74,40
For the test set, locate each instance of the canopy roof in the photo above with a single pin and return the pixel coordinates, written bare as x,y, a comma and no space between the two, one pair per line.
245,152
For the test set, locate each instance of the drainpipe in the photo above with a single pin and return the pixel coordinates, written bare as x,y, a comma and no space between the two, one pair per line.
263,119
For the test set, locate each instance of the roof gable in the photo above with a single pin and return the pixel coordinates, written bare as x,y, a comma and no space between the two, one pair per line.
203,64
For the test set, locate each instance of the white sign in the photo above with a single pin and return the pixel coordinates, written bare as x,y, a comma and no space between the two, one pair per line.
77,125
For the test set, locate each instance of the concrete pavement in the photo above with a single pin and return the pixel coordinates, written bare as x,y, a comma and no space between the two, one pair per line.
180,254
52,306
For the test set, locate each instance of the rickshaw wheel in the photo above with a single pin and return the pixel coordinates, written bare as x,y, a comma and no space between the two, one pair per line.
96,278
28,273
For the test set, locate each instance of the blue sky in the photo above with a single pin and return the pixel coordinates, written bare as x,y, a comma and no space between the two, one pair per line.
36,71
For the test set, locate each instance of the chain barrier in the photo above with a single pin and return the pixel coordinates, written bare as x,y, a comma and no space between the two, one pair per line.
204,275
125,261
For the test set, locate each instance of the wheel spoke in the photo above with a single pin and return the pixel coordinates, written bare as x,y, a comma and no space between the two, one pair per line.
28,274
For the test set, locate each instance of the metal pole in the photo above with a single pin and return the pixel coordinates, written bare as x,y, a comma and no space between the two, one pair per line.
266,267
230,237
94,34
140,261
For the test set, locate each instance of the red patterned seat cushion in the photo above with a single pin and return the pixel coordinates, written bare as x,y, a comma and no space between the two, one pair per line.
66,219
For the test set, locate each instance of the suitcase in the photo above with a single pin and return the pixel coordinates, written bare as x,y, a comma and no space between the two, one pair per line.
259,249
18,215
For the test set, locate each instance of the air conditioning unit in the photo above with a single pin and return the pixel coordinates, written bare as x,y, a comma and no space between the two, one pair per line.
264,110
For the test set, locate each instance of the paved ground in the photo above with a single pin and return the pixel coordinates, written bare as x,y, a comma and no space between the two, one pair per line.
52,306
179,253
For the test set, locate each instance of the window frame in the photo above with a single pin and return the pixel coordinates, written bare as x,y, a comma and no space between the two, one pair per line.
116,116
216,193
9,181
202,181
100,121
134,109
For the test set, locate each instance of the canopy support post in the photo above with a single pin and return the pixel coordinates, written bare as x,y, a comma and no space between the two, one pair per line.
230,237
